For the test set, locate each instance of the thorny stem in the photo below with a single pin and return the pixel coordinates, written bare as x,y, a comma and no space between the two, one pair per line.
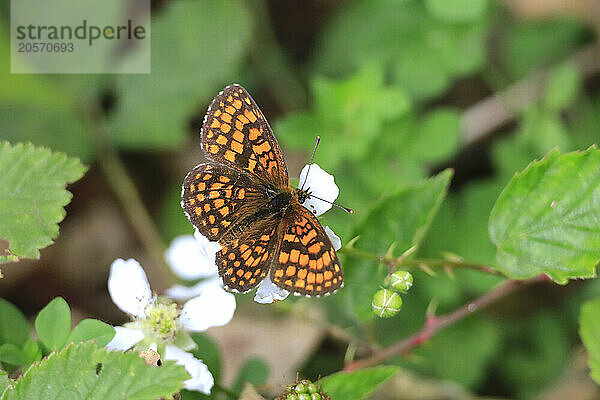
433,324
394,262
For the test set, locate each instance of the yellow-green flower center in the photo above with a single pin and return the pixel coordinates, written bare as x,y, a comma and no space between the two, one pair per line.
162,319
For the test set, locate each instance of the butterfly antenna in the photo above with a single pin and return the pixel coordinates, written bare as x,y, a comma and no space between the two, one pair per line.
312,158
348,210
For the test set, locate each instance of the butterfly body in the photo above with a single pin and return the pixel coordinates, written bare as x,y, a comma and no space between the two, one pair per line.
242,199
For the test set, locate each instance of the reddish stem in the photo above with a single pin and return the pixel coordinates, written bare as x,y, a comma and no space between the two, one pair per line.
435,323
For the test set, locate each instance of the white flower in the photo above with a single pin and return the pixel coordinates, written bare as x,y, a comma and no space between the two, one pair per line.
157,319
268,292
192,258
319,184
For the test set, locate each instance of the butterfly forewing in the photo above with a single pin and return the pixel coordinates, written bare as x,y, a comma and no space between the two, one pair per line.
306,262
217,198
236,133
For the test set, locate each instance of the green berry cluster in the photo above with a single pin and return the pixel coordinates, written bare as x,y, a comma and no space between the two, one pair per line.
387,301
304,390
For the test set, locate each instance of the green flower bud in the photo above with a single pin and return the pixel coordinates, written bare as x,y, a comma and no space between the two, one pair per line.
303,396
386,303
292,396
312,388
315,396
399,281
300,388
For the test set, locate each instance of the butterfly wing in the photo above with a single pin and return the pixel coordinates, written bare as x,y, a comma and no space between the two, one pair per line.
306,261
216,199
235,133
245,261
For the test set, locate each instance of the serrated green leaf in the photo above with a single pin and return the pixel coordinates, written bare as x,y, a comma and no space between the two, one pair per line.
562,87
5,382
546,219
92,329
254,370
458,10
13,325
589,330
82,371
195,53
404,218
356,385
33,196
53,324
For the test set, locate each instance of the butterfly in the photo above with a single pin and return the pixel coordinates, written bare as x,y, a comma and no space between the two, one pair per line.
243,200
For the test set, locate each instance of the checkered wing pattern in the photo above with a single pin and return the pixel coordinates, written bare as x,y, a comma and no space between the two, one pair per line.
236,133
306,263
216,199
245,261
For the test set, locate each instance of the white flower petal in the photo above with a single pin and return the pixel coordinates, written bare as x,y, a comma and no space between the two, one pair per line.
268,292
180,292
125,338
201,379
335,239
192,258
214,307
128,286
320,184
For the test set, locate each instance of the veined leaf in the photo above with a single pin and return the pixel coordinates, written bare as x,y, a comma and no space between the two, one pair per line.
33,195
356,385
547,219
82,371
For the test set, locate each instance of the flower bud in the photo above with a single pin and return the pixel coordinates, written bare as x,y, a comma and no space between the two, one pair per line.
386,303
311,388
399,281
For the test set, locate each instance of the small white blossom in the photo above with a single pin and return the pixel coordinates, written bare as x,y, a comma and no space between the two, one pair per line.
319,184
160,320
268,292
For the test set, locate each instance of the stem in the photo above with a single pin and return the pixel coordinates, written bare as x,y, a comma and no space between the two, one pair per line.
394,262
433,324
129,198
228,392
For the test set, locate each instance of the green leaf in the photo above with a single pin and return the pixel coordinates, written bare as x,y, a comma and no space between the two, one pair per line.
529,45
32,352
424,53
53,324
13,325
589,330
546,220
437,135
458,10
356,385
33,196
5,382
57,123
92,329
11,354
563,87
401,219
255,371
197,47
82,371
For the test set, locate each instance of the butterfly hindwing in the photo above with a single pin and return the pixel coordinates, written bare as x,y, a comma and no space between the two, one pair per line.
236,133
306,262
245,261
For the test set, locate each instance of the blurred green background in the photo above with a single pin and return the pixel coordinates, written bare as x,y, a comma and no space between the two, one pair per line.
398,90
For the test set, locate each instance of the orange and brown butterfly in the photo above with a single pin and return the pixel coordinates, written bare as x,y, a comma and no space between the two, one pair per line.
243,200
